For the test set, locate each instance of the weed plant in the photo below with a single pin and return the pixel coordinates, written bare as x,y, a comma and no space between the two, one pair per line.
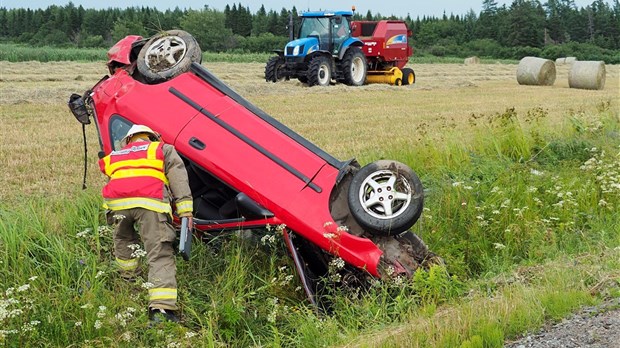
522,193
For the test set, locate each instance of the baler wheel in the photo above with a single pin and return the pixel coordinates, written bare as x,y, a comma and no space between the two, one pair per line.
408,76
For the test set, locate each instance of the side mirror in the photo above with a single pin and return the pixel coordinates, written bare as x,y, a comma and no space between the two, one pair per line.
78,108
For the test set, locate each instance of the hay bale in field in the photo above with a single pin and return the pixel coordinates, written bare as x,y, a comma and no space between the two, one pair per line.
536,72
587,75
472,60
560,61
570,60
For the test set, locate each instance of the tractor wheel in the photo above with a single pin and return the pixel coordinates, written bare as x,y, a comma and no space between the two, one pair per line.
408,76
386,197
354,67
273,69
319,71
167,55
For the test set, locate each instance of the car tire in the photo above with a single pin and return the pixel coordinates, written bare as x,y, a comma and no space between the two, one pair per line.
386,197
354,67
408,76
272,69
319,71
167,55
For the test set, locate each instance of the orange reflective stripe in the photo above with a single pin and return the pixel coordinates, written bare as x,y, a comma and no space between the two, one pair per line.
133,173
138,202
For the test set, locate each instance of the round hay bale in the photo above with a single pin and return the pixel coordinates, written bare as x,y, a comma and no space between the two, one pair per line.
560,61
587,75
570,60
472,60
536,72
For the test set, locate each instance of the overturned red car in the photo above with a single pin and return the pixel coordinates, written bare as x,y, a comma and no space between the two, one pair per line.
247,170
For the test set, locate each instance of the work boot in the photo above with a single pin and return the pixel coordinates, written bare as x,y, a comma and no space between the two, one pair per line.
158,315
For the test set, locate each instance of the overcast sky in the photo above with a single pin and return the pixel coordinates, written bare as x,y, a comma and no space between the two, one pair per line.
397,7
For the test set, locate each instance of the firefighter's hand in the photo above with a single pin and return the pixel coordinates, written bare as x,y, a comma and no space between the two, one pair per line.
190,220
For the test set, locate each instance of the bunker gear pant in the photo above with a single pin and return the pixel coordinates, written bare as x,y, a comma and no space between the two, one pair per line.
158,235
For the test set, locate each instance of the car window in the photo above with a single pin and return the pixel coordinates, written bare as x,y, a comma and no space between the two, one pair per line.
118,129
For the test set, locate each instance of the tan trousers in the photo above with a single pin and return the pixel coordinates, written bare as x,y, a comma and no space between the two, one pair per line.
158,236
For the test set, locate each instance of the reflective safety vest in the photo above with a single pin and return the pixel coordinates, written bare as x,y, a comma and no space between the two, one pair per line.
137,178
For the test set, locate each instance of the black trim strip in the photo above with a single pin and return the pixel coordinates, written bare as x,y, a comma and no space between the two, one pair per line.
246,139
211,79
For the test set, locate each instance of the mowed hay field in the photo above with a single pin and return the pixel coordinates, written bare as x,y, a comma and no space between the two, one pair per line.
41,149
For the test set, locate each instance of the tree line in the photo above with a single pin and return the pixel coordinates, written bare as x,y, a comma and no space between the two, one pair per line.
526,27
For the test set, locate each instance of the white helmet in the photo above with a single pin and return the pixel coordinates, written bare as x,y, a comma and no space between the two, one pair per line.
136,129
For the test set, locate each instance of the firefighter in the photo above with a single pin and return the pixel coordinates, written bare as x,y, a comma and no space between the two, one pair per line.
146,176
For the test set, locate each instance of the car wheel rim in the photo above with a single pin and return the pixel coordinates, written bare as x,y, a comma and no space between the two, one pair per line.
385,194
357,69
323,75
165,53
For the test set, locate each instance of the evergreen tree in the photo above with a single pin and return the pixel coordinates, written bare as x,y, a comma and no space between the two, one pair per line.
526,23
260,23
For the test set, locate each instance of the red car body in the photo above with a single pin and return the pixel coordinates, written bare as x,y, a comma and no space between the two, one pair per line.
246,169
284,173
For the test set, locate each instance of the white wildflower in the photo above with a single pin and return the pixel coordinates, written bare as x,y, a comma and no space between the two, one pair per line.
98,324
499,246
536,172
457,183
78,324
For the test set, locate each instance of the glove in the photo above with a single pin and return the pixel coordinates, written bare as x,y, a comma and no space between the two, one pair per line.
190,219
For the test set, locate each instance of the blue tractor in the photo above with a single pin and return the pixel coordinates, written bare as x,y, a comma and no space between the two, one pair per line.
324,50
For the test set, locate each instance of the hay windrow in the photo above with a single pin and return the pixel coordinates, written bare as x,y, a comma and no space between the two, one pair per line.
535,71
587,75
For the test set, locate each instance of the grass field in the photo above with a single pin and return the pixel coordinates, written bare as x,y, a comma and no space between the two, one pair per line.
361,122
523,185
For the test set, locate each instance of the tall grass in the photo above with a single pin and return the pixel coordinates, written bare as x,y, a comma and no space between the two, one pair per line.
521,193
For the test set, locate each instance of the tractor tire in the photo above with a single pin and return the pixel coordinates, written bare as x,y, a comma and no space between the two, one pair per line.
319,71
273,69
354,67
386,197
408,76
167,55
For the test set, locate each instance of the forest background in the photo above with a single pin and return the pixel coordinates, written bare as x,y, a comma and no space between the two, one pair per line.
550,29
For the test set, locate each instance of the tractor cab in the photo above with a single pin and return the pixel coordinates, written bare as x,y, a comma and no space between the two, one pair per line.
330,30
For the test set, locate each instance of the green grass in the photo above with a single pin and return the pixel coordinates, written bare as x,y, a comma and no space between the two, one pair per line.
23,53
525,216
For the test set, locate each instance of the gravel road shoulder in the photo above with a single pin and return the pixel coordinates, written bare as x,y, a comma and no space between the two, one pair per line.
593,327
